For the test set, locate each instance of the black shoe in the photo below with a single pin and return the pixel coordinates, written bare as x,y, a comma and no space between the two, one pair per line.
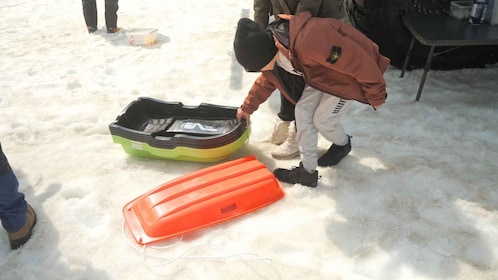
297,175
335,154
91,29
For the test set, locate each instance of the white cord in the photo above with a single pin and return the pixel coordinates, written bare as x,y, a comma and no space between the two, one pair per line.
182,256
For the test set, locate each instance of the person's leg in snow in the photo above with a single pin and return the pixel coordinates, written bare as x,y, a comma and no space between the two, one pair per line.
316,112
17,216
284,117
91,16
111,16
329,126
289,148
307,139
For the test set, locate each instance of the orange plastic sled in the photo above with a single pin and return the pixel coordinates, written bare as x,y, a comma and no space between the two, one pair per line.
200,199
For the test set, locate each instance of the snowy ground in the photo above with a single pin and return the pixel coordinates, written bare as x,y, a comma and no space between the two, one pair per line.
416,199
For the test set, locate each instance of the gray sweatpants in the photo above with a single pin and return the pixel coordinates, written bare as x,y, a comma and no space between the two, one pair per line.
318,112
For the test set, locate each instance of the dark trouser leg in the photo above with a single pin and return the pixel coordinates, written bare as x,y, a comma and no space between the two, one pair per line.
90,13
286,109
12,203
111,13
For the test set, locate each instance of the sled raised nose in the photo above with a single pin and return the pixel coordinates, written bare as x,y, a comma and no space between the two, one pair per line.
200,199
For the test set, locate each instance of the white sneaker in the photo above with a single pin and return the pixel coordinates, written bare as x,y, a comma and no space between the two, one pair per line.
289,148
280,131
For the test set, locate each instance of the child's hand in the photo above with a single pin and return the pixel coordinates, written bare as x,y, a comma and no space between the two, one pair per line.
285,16
243,115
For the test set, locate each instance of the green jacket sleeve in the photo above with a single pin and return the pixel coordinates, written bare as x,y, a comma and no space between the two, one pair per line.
312,6
262,12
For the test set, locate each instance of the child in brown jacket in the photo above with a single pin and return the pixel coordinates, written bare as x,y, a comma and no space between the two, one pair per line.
319,64
284,131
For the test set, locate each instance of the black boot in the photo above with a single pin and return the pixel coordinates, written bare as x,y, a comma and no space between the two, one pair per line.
91,29
335,154
297,175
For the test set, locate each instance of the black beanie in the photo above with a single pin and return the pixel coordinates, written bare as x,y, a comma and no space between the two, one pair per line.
254,47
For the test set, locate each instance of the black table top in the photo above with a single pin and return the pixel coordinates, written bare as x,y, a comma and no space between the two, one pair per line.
443,30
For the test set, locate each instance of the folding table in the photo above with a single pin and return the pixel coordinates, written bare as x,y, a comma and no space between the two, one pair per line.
443,30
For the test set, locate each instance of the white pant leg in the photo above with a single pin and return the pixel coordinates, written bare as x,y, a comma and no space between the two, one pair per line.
327,118
307,134
318,112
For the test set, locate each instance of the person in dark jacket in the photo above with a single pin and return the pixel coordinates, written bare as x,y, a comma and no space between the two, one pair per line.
284,128
263,9
111,16
322,65
18,217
